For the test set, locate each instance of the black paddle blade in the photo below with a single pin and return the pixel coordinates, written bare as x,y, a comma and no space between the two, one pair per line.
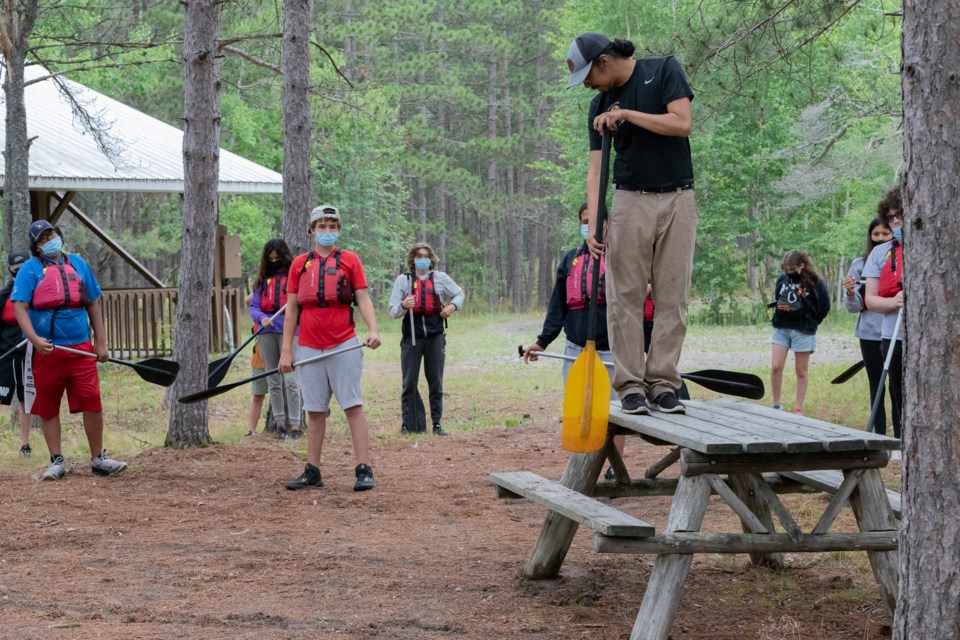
731,383
154,370
849,373
217,370
215,391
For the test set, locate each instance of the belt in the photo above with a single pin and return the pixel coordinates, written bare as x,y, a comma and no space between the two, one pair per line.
677,189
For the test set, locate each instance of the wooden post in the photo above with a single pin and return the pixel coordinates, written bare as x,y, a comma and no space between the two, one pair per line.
557,532
873,513
665,587
745,486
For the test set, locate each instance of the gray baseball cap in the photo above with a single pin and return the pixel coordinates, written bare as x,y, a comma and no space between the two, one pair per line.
583,51
326,211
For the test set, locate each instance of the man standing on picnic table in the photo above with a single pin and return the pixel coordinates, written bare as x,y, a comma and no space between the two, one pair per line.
56,299
652,229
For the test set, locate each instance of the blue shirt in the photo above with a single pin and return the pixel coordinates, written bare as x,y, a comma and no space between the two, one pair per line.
72,326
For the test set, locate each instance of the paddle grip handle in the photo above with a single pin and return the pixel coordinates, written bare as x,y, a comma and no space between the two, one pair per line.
601,216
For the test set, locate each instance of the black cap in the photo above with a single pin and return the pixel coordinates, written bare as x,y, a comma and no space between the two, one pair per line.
583,51
15,259
37,227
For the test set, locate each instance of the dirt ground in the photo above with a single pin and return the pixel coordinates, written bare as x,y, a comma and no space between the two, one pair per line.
206,543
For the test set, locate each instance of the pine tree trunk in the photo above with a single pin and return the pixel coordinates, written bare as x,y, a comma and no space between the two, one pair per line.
297,191
930,535
201,163
17,24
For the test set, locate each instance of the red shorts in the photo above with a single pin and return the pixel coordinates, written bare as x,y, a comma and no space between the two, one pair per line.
64,371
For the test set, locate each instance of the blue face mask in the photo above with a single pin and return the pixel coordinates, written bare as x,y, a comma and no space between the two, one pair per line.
898,234
327,238
52,246
421,263
584,230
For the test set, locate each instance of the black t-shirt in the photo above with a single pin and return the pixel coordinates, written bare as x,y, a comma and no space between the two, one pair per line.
646,160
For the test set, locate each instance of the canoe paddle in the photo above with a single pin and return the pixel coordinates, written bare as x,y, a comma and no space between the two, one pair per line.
153,370
217,370
11,351
883,374
215,391
586,397
731,383
849,373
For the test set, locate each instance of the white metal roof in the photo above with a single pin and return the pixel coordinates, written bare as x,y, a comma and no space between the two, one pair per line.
64,157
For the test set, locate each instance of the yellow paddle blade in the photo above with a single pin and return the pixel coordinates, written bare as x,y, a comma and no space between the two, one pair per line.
586,403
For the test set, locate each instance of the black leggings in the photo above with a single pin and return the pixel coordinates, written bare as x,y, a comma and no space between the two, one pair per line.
895,384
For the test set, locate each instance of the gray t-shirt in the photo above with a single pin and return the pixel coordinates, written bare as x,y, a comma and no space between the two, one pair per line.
869,322
872,269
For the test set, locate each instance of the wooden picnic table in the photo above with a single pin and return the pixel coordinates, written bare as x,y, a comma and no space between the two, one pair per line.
743,452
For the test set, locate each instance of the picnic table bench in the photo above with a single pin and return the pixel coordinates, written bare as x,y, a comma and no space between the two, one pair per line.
746,454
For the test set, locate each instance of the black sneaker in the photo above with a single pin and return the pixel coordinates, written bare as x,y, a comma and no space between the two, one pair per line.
281,433
634,403
295,434
404,431
309,478
365,480
438,431
610,474
26,451
667,402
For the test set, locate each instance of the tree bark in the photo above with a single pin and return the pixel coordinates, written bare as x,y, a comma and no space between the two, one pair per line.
297,190
16,26
201,164
930,535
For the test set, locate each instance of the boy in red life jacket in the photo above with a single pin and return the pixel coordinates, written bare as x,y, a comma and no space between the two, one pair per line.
321,288
883,272
11,370
56,301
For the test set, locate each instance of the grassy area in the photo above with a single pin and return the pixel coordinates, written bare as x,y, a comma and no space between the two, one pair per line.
485,386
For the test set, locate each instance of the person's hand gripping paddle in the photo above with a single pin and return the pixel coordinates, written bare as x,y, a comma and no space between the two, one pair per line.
586,398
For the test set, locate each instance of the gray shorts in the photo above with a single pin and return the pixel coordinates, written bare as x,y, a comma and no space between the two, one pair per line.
338,376
794,340
258,387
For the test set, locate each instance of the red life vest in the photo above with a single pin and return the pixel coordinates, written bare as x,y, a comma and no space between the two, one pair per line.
891,277
580,280
323,284
426,299
273,293
9,317
60,287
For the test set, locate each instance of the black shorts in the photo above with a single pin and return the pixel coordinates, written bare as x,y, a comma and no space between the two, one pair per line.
11,379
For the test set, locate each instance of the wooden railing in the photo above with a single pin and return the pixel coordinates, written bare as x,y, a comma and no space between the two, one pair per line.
141,322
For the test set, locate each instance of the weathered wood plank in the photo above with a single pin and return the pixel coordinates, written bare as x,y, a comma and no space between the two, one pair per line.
665,586
783,514
796,439
752,543
693,463
677,429
619,468
873,513
668,486
839,433
838,501
575,506
662,464
745,486
830,481
750,521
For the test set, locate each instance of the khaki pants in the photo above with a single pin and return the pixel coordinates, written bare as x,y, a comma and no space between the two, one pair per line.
650,238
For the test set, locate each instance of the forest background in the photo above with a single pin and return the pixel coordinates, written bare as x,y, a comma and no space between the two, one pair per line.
447,121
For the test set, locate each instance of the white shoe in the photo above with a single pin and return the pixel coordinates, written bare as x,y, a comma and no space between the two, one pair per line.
104,466
896,455
56,470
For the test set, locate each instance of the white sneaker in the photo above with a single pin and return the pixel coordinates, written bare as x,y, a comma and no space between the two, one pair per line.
896,455
104,466
56,470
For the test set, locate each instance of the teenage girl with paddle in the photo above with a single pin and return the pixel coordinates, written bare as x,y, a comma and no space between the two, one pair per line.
269,297
801,303
56,300
869,322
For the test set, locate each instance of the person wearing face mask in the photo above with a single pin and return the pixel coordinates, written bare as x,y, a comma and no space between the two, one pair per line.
322,287
11,369
883,272
869,322
56,299
646,106
431,297
802,303
269,297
